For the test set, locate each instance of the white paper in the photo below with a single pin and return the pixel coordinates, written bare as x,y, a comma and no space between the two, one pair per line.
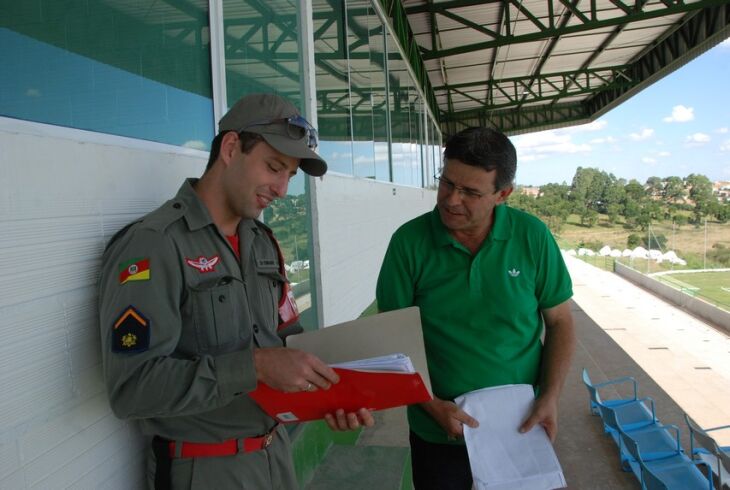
396,363
501,458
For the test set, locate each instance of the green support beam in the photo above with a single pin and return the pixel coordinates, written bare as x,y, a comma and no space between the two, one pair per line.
395,10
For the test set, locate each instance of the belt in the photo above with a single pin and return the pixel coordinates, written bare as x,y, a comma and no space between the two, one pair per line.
183,449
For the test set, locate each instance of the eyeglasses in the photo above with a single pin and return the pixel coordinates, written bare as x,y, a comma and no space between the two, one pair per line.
296,127
466,192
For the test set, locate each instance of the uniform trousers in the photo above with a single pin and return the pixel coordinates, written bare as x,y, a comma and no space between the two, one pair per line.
439,466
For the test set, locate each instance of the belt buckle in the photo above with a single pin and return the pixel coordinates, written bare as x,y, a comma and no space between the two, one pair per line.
267,440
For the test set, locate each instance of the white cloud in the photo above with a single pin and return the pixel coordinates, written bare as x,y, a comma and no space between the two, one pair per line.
645,133
648,160
552,141
680,113
722,130
607,139
196,145
698,138
725,43
725,145
591,126
531,158
664,154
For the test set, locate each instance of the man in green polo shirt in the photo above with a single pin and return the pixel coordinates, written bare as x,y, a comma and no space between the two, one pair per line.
487,279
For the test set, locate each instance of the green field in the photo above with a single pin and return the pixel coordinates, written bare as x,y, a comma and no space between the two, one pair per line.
711,286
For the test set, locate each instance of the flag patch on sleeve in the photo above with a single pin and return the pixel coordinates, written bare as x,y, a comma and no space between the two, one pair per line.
131,331
134,270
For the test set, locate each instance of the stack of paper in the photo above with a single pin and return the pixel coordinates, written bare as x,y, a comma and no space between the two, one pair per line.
501,458
394,363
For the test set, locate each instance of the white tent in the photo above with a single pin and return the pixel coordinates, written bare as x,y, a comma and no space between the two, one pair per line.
627,252
605,250
615,253
639,253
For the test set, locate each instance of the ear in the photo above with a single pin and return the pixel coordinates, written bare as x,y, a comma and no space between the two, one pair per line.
229,143
504,194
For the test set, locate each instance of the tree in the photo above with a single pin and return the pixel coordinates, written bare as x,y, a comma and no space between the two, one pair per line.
613,211
673,189
633,241
722,212
588,217
634,190
654,186
700,191
614,194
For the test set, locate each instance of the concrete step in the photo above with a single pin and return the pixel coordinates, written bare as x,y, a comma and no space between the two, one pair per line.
363,468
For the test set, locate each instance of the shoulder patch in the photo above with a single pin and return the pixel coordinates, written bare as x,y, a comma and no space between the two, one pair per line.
134,270
131,331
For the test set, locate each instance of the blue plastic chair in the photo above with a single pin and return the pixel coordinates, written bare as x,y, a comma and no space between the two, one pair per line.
594,387
675,472
725,465
705,448
632,413
655,440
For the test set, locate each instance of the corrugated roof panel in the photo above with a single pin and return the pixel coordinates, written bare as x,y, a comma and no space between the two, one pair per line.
480,57
583,41
514,68
581,49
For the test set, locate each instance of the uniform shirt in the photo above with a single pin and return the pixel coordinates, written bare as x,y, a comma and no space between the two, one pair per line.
480,313
180,316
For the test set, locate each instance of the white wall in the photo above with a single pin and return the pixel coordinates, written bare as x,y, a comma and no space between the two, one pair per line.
356,219
60,201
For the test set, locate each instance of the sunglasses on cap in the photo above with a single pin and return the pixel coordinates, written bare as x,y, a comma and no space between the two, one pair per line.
296,127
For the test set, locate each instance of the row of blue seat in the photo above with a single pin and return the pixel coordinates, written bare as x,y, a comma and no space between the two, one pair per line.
651,449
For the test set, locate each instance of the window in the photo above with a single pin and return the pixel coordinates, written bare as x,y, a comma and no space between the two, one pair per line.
131,68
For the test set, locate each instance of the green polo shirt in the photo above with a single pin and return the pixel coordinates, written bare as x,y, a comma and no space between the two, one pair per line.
480,313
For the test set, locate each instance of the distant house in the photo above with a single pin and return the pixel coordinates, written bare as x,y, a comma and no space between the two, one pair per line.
532,191
721,188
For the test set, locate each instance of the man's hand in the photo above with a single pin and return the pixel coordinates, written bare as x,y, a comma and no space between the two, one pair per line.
350,421
545,413
450,416
290,370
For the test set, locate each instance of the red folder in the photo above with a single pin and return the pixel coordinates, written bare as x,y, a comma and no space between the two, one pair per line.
374,390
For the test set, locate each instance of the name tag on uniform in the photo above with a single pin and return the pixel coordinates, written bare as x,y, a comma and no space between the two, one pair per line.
267,263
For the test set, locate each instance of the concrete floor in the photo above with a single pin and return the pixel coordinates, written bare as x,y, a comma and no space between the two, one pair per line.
679,361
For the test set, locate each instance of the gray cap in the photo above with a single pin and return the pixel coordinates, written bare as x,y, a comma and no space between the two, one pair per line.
269,116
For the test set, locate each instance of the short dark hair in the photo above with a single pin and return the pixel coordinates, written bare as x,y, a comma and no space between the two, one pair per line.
248,141
486,148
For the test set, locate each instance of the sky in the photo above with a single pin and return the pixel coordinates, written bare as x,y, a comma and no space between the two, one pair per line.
676,126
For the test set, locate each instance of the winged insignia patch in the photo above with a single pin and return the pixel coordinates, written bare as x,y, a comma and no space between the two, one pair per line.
204,264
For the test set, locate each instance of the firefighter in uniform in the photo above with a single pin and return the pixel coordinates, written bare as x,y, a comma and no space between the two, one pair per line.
194,303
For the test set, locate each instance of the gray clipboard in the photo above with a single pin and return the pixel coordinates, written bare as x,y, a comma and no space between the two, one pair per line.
392,332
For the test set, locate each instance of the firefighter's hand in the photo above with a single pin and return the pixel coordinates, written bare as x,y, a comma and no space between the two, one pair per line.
292,370
349,421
